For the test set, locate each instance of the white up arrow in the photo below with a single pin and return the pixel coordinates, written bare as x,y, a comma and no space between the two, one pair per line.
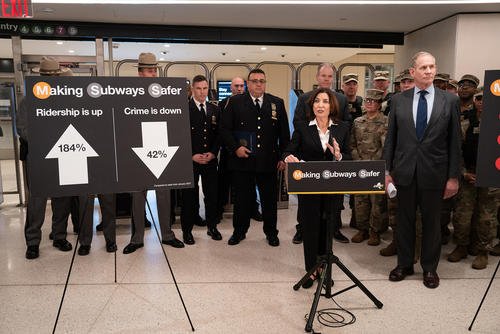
72,151
155,152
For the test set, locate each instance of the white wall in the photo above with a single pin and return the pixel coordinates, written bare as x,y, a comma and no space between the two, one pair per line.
478,44
438,39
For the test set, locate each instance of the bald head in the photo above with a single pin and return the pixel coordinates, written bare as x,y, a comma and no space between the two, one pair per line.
237,86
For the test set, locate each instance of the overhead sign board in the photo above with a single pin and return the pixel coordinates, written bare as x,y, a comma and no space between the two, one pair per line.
336,177
91,135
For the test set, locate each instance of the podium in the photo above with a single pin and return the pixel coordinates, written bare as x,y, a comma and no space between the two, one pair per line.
334,177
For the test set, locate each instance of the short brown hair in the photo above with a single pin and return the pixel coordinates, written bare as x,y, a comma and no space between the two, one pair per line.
334,104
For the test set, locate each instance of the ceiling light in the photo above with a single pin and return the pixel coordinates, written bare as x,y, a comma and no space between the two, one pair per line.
59,42
263,48
162,59
71,51
237,60
166,45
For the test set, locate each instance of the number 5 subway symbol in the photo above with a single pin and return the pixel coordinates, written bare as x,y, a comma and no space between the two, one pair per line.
155,152
72,151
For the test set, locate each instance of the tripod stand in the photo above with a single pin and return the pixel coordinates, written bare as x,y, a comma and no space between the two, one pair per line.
484,296
324,265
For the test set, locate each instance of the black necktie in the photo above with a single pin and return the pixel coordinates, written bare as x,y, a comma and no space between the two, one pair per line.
202,109
257,105
421,114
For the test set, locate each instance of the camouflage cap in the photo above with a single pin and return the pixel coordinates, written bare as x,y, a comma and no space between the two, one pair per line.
381,75
375,94
469,77
405,75
350,77
397,79
453,83
147,60
442,77
479,91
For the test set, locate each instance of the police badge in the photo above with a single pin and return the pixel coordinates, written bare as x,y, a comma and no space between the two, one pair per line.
274,114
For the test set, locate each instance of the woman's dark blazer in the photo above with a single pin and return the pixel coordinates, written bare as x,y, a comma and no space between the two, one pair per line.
306,145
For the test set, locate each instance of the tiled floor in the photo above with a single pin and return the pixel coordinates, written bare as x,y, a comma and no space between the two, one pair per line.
227,289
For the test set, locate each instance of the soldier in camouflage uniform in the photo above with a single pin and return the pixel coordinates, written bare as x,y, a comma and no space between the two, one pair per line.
354,104
381,81
367,140
441,80
452,87
397,84
477,206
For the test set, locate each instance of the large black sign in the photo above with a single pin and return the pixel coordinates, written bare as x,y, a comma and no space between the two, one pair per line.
336,177
107,135
488,158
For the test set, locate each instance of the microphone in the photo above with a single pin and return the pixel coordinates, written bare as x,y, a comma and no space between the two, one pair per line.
331,138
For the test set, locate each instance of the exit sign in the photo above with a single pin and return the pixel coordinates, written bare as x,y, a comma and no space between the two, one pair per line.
16,9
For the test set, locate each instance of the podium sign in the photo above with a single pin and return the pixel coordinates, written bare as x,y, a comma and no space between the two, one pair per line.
488,158
93,135
336,177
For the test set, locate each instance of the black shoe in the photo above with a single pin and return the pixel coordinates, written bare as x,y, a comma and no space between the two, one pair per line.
63,245
399,273
273,240
214,233
176,243
297,238
188,238
111,247
32,252
257,216
235,239
308,283
131,247
99,227
337,235
200,222
84,250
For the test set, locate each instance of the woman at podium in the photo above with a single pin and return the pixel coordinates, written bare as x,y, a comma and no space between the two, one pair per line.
322,137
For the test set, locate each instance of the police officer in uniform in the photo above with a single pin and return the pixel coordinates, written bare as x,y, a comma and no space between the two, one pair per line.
204,119
367,142
224,176
147,67
255,132
35,212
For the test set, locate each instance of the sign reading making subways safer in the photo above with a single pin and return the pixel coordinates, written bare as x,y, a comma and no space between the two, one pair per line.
336,177
92,135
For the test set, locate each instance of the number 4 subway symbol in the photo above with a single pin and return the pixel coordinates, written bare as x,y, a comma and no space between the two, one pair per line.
72,151
155,152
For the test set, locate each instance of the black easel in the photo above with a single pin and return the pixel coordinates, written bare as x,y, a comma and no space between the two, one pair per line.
325,265
166,259
485,293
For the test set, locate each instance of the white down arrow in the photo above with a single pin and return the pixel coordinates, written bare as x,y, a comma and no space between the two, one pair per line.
155,152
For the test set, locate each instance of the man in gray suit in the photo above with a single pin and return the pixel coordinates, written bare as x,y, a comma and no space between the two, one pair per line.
422,153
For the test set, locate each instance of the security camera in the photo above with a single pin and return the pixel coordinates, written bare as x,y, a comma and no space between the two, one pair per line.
282,56
223,53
